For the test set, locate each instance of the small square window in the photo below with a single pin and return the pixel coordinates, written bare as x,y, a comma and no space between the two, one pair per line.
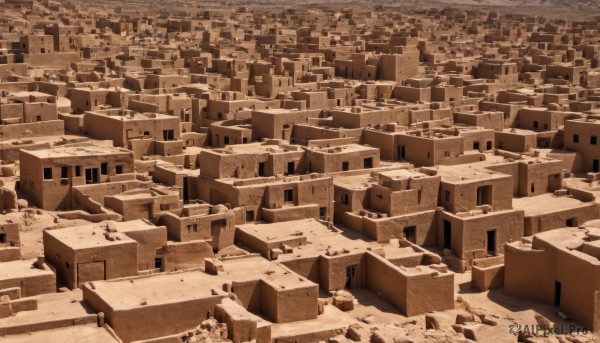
345,199
345,166
575,138
47,173
119,169
593,140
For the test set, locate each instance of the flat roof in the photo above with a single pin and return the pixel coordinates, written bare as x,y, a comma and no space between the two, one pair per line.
467,173
89,236
78,151
547,203
182,286
90,333
257,148
340,149
21,269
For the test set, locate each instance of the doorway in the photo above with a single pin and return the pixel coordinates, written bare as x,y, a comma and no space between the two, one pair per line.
491,242
557,291
410,234
595,166
402,152
186,195
447,234
350,276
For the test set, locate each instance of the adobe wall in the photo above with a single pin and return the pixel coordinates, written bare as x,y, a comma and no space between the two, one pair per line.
31,285
332,270
148,241
469,234
33,129
384,229
184,255
287,305
558,219
104,127
307,267
53,59
141,322
384,141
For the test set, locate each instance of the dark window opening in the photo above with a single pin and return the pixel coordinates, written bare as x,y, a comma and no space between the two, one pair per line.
168,135
410,234
261,169
47,173
249,216
104,168
64,172
158,263
595,166
118,169
2,238
593,140
571,222
345,166
78,171
575,138
345,199
536,124
146,133
288,195
368,163
225,140
91,176
532,188
291,167
484,195
488,146
38,118
475,145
